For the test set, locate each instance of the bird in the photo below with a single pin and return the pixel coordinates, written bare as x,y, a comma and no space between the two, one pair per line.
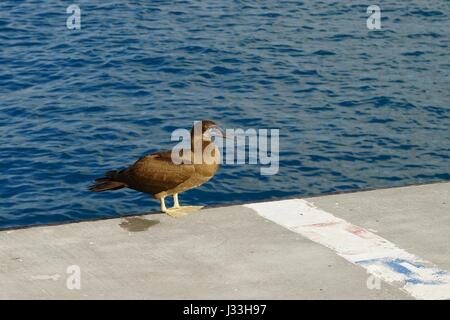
158,175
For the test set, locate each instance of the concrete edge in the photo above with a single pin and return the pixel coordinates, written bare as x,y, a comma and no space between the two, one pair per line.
224,205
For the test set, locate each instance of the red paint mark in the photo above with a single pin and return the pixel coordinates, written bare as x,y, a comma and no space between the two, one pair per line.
357,231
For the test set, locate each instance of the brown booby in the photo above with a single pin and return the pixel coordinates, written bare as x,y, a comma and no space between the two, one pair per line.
157,174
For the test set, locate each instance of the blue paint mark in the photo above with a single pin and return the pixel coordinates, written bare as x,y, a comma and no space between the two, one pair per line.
417,281
396,265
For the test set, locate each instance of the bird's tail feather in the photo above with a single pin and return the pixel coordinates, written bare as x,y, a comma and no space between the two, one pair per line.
107,183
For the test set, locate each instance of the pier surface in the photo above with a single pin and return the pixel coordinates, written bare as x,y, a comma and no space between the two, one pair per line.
382,244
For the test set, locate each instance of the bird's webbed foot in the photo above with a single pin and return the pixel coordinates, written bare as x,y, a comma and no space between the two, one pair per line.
182,211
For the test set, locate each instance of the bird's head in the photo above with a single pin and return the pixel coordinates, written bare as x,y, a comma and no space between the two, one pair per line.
207,129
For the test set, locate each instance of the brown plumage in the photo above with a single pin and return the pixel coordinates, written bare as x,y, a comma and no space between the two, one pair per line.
158,175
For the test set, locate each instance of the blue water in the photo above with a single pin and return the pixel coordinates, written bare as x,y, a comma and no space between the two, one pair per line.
355,108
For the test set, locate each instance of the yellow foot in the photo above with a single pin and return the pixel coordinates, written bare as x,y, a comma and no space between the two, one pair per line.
182,211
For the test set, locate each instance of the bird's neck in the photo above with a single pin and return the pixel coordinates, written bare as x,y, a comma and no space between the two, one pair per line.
199,143
205,150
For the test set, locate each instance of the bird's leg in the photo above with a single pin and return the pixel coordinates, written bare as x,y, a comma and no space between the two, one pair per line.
177,211
176,204
163,205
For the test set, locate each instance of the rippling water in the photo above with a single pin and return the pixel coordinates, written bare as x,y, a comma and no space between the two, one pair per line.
355,108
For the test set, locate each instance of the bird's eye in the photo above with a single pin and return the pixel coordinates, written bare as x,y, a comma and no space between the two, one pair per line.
213,132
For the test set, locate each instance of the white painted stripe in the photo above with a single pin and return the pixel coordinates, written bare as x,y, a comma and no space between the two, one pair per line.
378,256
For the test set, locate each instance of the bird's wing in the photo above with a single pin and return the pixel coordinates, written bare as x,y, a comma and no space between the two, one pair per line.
156,173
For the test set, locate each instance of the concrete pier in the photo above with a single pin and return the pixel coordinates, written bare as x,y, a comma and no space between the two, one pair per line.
382,244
